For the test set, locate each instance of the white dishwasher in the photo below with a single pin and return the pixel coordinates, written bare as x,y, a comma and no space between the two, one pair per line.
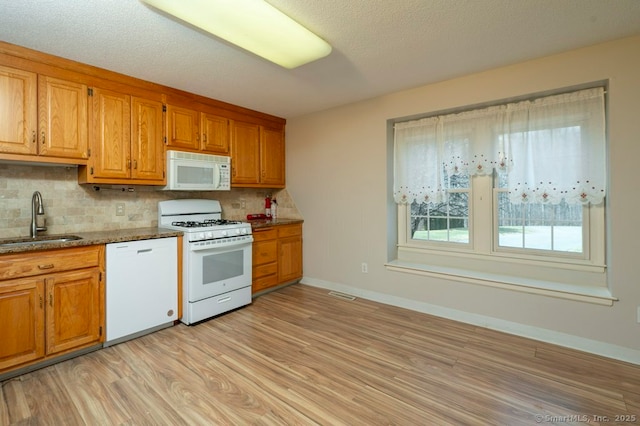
141,287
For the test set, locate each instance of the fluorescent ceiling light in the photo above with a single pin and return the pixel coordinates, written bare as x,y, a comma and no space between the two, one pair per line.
253,25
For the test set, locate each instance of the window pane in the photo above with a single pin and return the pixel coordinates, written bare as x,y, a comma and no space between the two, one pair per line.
448,221
539,226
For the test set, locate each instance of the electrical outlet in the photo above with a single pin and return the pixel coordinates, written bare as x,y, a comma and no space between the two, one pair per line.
638,317
243,204
120,209
365,268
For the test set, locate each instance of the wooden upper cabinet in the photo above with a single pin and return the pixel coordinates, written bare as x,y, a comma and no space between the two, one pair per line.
110,134
183,127
147,149
215,133
257,156
119,134
42,115
245,153
194,129
126,140
18,111
272,162
62,110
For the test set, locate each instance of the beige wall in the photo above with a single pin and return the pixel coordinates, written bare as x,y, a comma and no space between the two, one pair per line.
70,207
338,175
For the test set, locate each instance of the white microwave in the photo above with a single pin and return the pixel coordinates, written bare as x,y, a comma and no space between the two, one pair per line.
188,171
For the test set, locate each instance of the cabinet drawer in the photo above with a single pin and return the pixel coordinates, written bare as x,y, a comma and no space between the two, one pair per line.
266,234
289,230
264,270
264,282
46,262
265,252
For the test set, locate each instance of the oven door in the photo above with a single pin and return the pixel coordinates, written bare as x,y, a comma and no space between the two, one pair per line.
217,269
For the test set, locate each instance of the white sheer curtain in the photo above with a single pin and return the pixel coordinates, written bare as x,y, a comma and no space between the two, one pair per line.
551,149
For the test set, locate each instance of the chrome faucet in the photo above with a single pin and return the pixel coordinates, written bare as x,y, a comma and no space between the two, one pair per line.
37,208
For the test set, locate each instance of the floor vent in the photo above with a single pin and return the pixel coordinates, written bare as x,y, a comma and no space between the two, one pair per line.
342,295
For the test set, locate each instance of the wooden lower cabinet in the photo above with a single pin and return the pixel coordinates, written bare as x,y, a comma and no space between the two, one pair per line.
277,256
73,310
21,322
55,308
265,259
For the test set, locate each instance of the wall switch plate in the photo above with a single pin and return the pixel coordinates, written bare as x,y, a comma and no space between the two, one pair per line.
120,209
365,268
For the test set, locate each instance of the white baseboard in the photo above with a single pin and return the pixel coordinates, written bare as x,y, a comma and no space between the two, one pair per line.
544,335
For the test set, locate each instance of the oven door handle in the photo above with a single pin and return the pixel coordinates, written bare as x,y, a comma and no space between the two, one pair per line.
221,247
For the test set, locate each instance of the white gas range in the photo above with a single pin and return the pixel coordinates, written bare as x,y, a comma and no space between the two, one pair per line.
217,257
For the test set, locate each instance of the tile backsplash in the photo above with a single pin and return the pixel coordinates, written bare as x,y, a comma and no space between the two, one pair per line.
70,207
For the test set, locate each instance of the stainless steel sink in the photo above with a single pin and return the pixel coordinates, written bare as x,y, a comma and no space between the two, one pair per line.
39,240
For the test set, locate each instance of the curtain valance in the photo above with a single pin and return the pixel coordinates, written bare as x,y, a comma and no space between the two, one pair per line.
548,150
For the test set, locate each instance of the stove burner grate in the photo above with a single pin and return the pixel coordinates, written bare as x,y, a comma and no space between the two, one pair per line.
205,223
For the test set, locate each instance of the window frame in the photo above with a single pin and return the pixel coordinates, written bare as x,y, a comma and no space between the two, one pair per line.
554,273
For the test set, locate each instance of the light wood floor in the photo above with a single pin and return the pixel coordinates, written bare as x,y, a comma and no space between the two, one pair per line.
300,357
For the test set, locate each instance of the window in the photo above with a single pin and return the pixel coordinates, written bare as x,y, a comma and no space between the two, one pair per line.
444,221
513,191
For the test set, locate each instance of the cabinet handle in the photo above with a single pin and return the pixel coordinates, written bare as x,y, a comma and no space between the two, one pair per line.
51,300
43,138
128,163
135,164
40,301
33,137
47,266
204,137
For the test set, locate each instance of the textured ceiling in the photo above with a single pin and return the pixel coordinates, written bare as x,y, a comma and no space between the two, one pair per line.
379,46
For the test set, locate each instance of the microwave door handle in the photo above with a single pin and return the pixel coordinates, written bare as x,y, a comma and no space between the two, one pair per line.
216,176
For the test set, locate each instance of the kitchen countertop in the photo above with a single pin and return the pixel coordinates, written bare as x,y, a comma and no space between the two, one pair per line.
92,238
266,223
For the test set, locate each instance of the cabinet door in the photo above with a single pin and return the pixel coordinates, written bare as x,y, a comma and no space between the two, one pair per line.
146,147
110,134
215,134
289,253
73,315
62,110
245,153
21,322
272,164
19,111
183,128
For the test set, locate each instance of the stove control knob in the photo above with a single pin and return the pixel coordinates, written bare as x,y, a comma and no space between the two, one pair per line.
200,236
209,234
224,233
237,231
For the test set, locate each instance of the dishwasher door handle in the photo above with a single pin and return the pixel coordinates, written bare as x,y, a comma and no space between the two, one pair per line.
149,250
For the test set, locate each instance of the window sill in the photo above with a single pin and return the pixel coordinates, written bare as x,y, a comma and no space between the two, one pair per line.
589,294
